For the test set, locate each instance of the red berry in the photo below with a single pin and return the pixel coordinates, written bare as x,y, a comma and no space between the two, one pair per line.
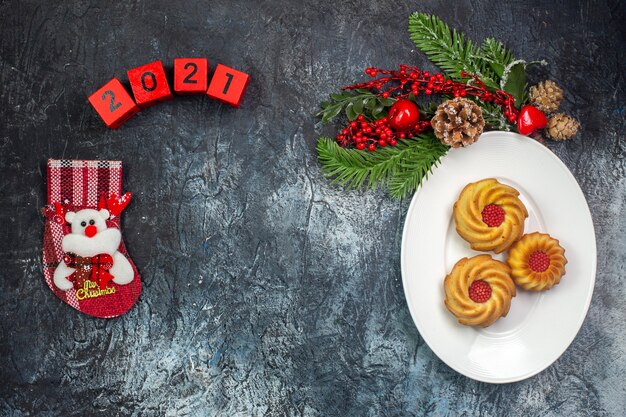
360,146
538,261
353,125
372,147
393,142
480,291
493,215
385,94
382,143
360,118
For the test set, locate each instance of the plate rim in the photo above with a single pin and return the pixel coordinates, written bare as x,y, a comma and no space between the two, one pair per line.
412,208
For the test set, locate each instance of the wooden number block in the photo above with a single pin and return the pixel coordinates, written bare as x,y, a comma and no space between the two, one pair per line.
228,85
113,104
149,84
191,75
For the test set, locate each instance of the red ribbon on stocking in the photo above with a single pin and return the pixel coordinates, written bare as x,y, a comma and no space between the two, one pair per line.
95,268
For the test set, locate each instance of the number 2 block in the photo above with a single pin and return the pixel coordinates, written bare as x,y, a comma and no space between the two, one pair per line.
149,84
113,104
228,85
191,75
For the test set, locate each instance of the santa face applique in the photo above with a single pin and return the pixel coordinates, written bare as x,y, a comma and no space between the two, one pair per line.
91,251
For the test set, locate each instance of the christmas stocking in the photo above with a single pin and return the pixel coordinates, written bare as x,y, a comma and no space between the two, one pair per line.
84,258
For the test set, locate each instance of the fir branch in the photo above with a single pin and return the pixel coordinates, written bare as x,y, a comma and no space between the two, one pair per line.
449,49
402,167
493,116
498,57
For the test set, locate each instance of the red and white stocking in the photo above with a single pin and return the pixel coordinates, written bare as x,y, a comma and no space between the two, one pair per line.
85,261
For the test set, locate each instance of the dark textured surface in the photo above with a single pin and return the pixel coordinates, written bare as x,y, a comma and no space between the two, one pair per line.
266,290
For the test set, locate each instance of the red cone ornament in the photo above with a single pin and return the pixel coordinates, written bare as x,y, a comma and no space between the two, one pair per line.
530,119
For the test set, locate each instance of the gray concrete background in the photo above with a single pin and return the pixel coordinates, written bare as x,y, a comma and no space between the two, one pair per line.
267,291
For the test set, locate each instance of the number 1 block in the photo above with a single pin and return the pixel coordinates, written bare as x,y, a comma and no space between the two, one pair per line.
228,85
113,104
191,75
149,84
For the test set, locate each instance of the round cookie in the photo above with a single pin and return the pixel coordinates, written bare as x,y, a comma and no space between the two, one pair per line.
537,262
489,215
478,290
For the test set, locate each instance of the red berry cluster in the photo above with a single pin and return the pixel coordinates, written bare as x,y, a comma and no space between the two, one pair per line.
411,80
480,291
369,135
493,215
538,261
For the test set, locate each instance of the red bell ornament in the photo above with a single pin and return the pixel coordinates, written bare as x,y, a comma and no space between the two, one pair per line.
530,119
403,115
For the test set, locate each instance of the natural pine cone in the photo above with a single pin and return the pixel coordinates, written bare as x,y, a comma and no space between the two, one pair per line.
562,127
458,122
546,96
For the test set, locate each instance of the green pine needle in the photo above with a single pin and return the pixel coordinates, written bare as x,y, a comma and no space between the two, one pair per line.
402,167
451,51
498,57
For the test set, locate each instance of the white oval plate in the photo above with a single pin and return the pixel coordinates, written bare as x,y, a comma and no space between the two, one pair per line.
539,326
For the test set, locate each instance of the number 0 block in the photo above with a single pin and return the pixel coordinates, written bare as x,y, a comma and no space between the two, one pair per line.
191,75
149,84
113,104
228,85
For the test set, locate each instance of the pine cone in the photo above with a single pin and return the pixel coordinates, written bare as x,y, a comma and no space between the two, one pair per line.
562,127
458,122
546,96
